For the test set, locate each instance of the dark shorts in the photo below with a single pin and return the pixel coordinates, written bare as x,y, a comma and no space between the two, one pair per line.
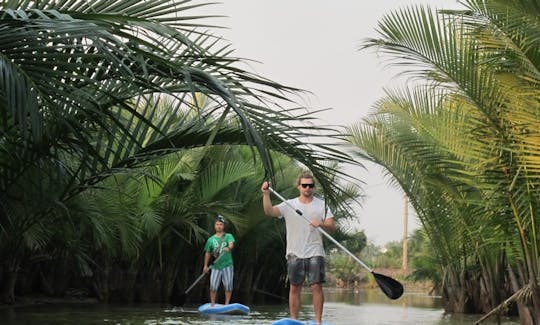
300,268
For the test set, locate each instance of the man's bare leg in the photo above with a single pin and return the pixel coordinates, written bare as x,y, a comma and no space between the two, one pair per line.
294,300
318,301
213,297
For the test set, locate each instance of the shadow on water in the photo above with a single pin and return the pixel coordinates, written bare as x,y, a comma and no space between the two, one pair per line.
342,307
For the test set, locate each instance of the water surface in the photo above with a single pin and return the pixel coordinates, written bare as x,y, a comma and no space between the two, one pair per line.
342,307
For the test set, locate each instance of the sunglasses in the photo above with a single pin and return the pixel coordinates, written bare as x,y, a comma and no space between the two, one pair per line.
311,185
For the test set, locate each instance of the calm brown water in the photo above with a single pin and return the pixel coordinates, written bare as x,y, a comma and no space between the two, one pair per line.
342,307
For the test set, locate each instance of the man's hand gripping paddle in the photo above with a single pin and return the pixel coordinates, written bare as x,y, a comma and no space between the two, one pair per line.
391,288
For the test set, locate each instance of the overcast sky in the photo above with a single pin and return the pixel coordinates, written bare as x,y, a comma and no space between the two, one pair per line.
313,45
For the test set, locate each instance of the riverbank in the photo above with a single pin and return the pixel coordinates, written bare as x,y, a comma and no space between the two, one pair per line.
342,307
36,299
77,298
365,280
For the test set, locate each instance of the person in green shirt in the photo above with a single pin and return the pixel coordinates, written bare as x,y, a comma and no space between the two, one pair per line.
219,246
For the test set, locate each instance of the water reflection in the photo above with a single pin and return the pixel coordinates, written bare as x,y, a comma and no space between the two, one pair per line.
373,307
375,296
342,307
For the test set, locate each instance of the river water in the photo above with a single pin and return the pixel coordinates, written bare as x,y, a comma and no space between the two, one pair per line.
342,307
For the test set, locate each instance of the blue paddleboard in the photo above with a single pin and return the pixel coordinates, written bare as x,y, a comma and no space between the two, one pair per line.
230,309
290,321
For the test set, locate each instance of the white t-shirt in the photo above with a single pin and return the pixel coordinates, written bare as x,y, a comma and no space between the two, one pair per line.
304,240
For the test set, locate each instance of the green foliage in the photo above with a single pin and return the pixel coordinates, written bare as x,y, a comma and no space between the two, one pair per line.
356,242
460,142
109,111
344,268
390,256
423,259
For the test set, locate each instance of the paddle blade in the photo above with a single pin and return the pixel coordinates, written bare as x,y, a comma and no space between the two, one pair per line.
391,288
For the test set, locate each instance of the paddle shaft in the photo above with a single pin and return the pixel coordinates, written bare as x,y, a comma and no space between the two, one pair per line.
194,283
321,230
201,276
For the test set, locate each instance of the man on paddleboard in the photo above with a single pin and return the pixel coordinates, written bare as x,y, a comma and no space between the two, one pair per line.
305,251
221,243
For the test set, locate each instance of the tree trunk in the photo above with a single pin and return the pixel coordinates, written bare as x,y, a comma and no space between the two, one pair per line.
455,293
525,316
9,276
535,307
100,282
243,284
169,277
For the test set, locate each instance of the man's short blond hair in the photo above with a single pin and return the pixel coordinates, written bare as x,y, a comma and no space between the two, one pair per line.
304,174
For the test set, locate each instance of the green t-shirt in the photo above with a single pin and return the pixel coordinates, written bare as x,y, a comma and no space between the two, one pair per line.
211,246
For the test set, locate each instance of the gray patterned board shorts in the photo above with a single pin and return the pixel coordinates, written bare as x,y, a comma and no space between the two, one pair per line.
300,268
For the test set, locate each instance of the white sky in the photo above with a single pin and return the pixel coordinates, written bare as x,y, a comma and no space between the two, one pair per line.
313,45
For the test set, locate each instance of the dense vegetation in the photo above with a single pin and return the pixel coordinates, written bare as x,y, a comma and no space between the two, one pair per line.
463,142
125,127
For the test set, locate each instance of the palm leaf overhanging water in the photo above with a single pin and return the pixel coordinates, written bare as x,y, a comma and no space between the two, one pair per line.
92,90
461,141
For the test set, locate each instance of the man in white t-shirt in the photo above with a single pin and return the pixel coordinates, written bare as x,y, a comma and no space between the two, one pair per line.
305,251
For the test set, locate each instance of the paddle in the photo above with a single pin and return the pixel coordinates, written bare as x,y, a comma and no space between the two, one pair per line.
180,300
391,288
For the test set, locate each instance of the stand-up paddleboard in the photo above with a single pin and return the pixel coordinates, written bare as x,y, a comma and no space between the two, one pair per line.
290,321
230,309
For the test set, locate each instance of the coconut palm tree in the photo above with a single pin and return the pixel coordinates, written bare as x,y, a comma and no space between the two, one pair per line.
461,143
79,85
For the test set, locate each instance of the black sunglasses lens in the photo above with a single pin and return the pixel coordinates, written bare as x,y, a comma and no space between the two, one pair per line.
308,185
